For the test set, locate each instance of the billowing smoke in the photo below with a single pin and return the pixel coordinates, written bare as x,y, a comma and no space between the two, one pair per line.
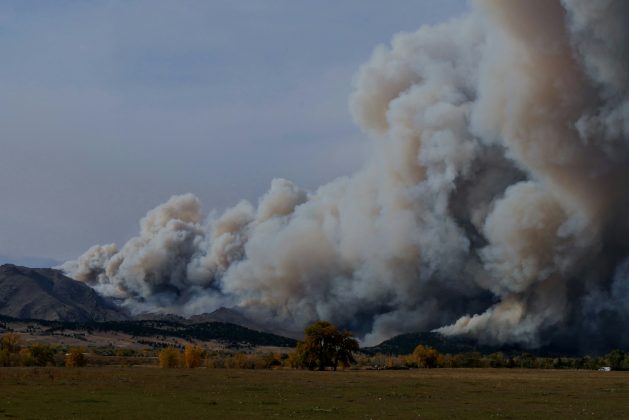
494,202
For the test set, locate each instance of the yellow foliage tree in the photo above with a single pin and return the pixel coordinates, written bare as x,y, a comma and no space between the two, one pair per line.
169,358
10,345
75,357
426,357
11,342
192,356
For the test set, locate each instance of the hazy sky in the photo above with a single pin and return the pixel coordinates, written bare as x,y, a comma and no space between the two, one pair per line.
107,108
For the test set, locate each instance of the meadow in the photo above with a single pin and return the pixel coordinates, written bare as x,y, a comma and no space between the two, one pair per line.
147,392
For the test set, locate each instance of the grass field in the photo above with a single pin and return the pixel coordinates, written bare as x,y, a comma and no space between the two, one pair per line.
123,393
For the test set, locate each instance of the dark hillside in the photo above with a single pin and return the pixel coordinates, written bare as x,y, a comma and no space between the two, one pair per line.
44,293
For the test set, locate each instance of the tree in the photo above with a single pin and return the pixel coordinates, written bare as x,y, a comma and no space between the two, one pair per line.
10,345
42,355
11,342
192,356
425,357
169,358
345,347
325,346
615,359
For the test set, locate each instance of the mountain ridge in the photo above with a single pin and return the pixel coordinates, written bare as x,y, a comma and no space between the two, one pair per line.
47,294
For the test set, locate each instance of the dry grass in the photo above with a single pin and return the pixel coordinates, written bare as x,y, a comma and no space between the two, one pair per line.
217,393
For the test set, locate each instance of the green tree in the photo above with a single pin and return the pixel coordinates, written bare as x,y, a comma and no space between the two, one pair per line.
325,346
616,359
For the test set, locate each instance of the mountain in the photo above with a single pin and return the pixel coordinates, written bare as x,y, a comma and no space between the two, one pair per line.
44,293
231,316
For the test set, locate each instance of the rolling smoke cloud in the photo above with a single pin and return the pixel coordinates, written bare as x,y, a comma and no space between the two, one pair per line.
493,203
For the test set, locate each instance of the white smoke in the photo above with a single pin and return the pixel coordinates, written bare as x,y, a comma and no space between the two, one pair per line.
492,204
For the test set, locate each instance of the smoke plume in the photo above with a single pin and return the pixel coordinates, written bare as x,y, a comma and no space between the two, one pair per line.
493,204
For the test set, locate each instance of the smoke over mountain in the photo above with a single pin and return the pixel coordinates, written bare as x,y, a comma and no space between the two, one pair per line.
493,204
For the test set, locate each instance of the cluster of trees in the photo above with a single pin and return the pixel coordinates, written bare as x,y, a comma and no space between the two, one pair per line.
191,357
13,352
194,356
427,357
324,346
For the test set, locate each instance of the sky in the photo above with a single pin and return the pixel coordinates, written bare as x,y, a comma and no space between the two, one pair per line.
108,108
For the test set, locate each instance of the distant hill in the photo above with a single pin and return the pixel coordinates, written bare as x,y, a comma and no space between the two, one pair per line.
221,315
44,293
162,330
406,343
48,298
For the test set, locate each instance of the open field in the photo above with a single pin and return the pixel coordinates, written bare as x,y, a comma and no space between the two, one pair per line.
219,393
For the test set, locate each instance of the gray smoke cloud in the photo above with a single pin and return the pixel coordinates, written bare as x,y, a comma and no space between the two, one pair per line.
493,203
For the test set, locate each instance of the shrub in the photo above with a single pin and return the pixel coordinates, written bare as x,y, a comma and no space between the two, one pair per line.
5,357
75,357
26,358
42,354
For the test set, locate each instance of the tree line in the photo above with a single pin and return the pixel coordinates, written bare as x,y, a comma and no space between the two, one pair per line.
13,352
324,347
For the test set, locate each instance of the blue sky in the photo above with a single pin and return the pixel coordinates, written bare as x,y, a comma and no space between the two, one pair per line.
110,107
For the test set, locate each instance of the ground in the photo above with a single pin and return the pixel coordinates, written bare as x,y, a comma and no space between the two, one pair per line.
146,392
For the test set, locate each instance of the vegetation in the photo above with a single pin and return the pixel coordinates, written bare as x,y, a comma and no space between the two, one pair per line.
428,357
14,353
325,346
133,393
169,358
75,358
192,356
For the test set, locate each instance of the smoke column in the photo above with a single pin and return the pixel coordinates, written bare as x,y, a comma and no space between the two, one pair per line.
494,202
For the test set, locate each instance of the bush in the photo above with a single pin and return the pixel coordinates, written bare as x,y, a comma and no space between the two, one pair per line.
42,355
26,358
169,358
75,358
5,357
